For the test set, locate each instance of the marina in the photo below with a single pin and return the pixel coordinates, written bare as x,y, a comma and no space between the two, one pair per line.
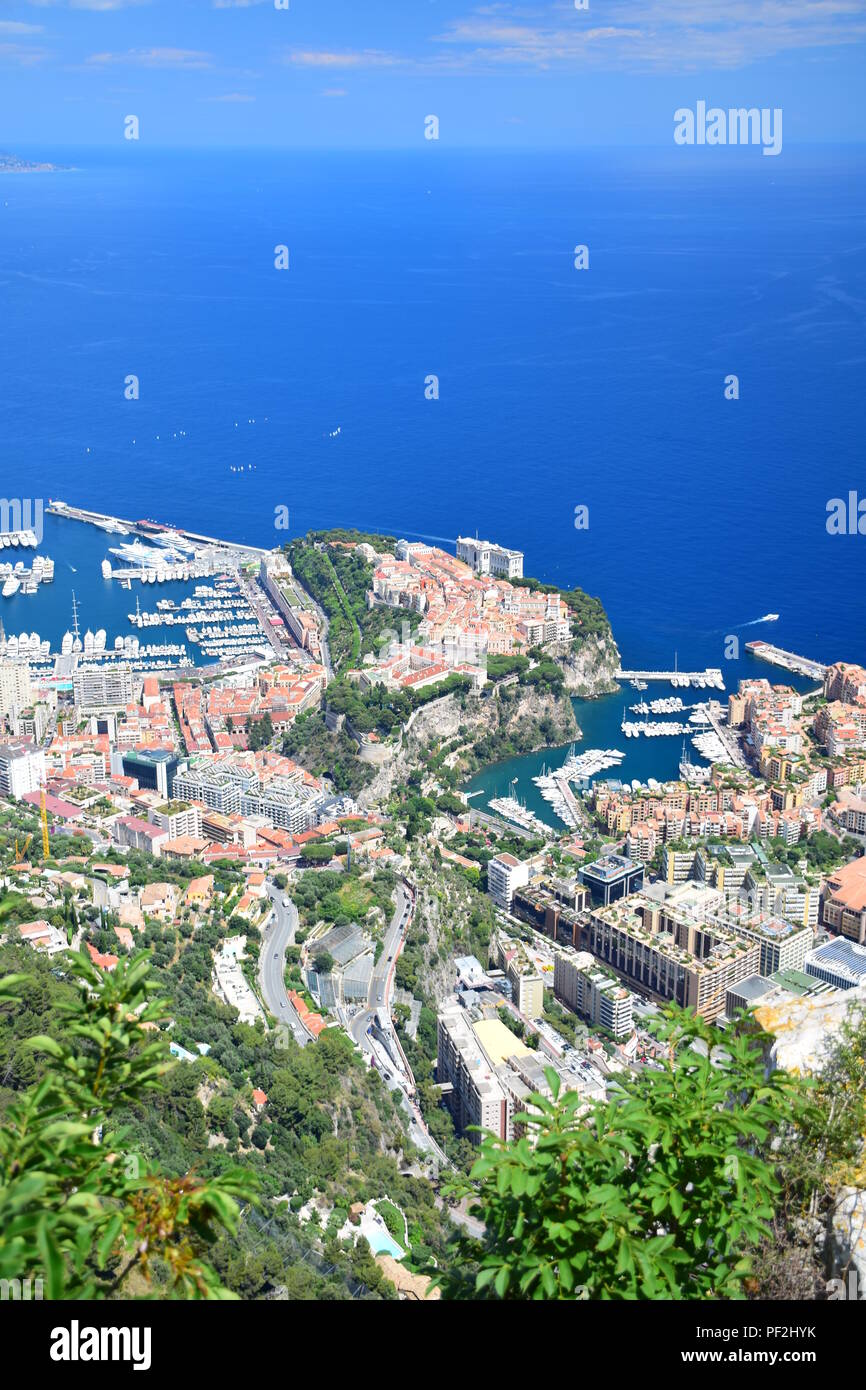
513,810
217,619
579,768
16,578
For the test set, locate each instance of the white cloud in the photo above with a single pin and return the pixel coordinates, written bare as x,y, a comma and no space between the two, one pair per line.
670,34
19,56
363,58
154,58
88,4
15,26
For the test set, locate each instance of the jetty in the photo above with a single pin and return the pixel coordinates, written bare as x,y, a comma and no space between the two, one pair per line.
777,656
709,679
150,530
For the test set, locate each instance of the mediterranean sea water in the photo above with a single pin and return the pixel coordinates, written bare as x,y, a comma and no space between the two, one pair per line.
557,388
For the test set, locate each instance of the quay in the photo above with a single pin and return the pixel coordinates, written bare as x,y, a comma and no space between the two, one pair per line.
570,800
148,529
711,677
777,656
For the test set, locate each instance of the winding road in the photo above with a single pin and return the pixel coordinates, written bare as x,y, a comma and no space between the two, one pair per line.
280,933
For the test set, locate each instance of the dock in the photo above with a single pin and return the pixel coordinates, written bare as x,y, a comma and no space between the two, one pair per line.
711,677
116,525
777,656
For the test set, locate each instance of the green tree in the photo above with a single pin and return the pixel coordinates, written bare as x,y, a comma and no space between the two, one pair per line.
77,1208
657,1194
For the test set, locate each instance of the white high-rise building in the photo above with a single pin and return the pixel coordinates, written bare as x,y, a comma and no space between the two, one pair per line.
16,692
504,875
22,769
103,688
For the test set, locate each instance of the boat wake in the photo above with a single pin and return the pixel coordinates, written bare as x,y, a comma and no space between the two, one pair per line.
767,618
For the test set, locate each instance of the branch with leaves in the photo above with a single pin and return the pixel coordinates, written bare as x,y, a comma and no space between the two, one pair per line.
75,1210
658,1193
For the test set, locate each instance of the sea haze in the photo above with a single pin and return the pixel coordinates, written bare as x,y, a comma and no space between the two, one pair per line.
557,387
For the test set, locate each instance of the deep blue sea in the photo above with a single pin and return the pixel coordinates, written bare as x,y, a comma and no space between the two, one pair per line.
558,387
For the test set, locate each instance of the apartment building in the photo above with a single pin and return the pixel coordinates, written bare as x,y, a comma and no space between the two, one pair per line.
778,891
105,688
177,818
844,901
505,875
593,993
554,908
846,682
527,987
22,769
288,801
670,957
16,691
851,814
139,834
679,863
477,1097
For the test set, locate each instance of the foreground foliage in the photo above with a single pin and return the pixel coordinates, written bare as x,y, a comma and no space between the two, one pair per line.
73,1210
660,1193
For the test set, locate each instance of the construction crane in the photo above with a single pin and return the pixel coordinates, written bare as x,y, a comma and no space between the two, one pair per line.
19,857
46,849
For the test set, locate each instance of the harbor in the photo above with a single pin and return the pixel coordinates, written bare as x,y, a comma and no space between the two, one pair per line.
200,616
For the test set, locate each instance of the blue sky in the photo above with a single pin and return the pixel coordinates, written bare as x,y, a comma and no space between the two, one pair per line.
365,73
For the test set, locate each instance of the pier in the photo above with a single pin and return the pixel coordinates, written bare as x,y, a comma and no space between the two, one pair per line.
777,656
571,803
149,530
711,677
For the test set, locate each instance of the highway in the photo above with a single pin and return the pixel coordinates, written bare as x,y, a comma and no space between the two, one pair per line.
279,933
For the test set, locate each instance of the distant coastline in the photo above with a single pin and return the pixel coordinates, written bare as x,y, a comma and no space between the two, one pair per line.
11,164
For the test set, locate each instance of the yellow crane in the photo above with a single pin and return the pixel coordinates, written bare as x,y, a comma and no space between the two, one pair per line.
46,849
20,857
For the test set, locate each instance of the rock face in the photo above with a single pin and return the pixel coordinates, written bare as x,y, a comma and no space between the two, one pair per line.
519,715
590,671
806,1029
847,1244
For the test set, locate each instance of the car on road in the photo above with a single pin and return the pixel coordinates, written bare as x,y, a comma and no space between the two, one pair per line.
285,902
276,955
387,1076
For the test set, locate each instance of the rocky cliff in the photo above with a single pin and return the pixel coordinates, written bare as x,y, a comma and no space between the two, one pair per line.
494,726
589,671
